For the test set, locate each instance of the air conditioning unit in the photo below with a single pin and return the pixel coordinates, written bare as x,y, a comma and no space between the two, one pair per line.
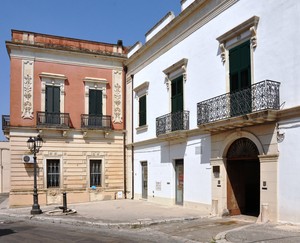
27,158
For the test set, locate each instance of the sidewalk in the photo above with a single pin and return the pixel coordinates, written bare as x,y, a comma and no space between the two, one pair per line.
112,213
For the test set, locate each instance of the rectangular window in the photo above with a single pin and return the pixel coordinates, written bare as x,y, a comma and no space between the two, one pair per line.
95,108
52,108
240,79
142,111
95,172
53,173
177,94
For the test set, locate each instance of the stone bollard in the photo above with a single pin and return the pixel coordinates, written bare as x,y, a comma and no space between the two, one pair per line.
65,207
265,212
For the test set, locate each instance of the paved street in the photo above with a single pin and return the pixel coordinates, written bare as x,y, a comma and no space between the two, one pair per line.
135,221
13,230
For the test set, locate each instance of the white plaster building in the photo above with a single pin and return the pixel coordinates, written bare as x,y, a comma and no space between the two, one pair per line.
214,95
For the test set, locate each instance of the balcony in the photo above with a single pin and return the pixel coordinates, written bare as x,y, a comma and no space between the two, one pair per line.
99,122
172,122
5,122
256,104
53,120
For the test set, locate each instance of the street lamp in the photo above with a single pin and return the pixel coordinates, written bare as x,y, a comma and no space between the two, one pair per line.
34,144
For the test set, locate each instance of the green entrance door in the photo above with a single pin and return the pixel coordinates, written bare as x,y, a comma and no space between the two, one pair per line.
179,171
240,79
144,180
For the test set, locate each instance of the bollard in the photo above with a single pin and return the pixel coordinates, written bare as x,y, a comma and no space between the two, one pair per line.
65,207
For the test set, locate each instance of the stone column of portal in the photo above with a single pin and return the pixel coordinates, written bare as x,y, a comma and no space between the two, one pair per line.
268,187
219,186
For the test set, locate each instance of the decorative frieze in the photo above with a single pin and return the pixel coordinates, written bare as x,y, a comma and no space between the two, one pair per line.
117,97
27,89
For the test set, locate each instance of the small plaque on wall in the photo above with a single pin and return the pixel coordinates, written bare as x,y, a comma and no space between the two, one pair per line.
158,185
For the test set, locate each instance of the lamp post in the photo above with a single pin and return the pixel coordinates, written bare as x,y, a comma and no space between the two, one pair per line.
34,144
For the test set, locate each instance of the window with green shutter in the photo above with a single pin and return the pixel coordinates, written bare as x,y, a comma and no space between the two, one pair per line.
240,79
52,99
177,94
95,102
95,108
52,107
142,111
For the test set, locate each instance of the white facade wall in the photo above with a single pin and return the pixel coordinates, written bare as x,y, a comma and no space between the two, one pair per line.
161,160
206,75
275,58
289,167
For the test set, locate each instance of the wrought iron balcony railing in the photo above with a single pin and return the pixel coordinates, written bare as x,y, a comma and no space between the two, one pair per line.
172,122
260,96
95,121
5,122
58,120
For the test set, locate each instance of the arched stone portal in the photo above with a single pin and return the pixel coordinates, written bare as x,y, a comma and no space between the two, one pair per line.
243,178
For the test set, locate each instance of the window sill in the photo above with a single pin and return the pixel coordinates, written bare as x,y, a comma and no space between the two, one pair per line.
143,128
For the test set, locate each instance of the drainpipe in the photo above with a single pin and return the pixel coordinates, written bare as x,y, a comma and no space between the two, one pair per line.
124,136
132,148
124,156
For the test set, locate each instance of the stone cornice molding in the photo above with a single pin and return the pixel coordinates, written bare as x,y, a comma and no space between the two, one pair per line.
248,25
95,80
143,86
19,51
169,38
53,76
179,67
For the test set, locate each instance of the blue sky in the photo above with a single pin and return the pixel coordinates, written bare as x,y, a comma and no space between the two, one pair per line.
97,20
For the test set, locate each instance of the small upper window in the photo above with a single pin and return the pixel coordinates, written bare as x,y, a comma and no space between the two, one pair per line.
141,92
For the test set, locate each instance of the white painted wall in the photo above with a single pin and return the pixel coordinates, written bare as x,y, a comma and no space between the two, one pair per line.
274,58
289,167
160,159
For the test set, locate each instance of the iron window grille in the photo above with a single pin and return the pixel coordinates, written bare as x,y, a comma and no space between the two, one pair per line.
53,173
95,172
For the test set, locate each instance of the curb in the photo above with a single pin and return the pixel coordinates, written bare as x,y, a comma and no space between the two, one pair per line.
97,224
221,237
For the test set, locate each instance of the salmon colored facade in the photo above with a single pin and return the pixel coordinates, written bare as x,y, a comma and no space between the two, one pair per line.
71,93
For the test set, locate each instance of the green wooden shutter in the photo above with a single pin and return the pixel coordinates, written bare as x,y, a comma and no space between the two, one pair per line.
240,67
177,94
95,102
240,79
52,99
142,111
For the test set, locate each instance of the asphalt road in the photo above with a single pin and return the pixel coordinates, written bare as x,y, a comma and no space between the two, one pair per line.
12,231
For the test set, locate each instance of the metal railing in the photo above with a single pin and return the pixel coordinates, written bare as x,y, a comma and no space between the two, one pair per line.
172,122
58,120
260,96
95,121
5,122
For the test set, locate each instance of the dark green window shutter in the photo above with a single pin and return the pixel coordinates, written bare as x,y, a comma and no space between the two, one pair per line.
240,67
95,102
240,79
52,99
142,111
177,94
